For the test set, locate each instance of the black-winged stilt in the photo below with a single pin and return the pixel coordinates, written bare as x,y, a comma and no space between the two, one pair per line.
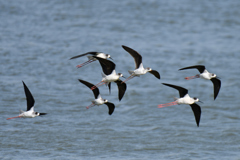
98,99
30,113
139,69
204,74
91,58
185,99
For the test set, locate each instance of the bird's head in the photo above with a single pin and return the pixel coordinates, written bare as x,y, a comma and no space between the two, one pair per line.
108,56
149,69
105,100
120,75
196,99
213,75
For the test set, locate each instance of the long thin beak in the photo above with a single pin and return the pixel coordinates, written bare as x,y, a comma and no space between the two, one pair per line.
200,101
218,77
111,58
124,77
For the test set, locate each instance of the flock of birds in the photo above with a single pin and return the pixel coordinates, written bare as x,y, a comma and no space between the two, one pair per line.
109,75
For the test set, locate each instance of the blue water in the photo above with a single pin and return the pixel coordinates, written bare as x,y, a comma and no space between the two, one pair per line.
37,38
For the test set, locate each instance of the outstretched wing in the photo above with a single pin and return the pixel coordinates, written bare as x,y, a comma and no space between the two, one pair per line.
200,68
182,91
122,87
40,114
84,54
107,66
197,112
111,107
90,85
29,97
155,73
216,86
137,57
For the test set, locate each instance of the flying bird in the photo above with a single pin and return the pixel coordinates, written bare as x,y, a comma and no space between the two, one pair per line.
109,76
139,69
91,57
98,99
204,74
30,113
185,99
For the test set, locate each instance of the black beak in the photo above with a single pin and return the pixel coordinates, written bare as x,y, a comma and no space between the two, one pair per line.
111,58
200,101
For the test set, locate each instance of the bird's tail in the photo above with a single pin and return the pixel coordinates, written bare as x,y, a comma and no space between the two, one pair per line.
175,98
103,75
130,72
21,111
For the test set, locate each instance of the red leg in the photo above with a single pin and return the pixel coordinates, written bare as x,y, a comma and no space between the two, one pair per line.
14,117
130,77
167,104
97,85
91,105
192,77
85,63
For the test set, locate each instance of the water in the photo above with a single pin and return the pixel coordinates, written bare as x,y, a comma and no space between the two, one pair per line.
37,38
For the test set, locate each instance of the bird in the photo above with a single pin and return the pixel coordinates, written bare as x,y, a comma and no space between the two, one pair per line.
109,76
91,58
98,99
204,74
139,69
185,99
30,113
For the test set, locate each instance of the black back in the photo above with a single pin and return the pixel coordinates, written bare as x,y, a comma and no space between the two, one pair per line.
182,91
29,97
200,68
137,57
90,85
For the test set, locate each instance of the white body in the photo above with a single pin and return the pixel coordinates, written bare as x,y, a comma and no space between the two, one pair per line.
111,77
206,75
186,100
99,101
28,114
139,71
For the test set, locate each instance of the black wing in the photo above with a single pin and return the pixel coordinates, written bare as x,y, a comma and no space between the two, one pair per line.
137,57
111,107
122,87
107,66
216,86
90,85
200,68
197,112
109,86
182,91
81,55
155,73
29,97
